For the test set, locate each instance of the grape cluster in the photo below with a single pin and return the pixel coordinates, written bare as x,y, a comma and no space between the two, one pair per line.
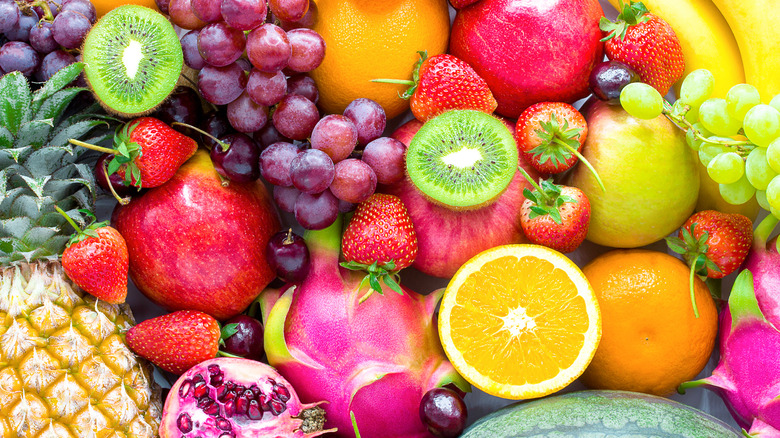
737,138
251,65
341,165
40,37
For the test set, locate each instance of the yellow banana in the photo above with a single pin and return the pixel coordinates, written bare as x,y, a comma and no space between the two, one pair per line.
705,37
756,26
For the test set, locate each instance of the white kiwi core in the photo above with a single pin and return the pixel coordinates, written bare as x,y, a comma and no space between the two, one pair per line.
464,158
132,57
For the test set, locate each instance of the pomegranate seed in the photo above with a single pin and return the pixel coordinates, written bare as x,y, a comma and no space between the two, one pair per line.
277,407
224,424
184,389
254,412
230,408
199,388
184,423
255,390
242,403
264,399
282,392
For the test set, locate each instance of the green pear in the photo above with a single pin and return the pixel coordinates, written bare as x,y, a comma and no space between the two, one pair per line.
650,175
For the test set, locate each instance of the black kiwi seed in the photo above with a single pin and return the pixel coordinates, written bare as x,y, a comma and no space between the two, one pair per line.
462,159
144,39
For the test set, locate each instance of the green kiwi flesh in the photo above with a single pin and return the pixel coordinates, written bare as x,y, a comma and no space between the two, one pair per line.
132,59
462,159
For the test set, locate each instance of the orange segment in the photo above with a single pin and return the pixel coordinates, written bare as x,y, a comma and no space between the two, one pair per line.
519,321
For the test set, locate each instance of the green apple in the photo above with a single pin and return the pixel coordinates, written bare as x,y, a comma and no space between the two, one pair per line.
650,175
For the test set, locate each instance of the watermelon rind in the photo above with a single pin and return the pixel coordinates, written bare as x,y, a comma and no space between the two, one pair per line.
587,414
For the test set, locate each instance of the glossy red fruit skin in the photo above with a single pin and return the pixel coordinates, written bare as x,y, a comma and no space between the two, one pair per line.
196,244
99,265
564,237
530,51
527,138
729,241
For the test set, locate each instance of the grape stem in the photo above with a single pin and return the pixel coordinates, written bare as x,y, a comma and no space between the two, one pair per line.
685,125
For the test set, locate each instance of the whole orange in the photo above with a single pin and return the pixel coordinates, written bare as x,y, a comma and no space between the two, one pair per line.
651,340
103,6
370,39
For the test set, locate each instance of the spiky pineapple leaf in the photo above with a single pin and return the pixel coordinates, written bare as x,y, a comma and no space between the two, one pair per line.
34,133
56,104
15,98
6,138
57,82
75,130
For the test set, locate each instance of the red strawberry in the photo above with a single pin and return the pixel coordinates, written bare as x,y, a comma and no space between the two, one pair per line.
96,260
442,83
555,216
714,244
550,136
148,152
380,239
176,341
647,44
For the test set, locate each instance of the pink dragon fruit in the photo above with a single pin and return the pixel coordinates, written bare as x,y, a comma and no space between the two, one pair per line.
748,374
763,261
237,398
376,359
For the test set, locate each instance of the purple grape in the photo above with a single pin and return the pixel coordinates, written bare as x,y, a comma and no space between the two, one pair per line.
275,163
189,47
162,5
354,181
268,135
42,38
316,211
52,63
83,7
70,28
21,32
245,115
240,162
387,157
183,106
308,20
346,207
9,16
221,85
289,10
207,10
266,88
182,15
607,80
443,411
245,65
268,48
308,50
335,135
19,56
312,171
244,14
54,9
247,341
220,44
369,118
303,85
288,256
285,197
295,117
216,124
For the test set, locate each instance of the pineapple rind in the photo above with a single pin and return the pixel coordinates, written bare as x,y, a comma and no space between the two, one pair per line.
66,375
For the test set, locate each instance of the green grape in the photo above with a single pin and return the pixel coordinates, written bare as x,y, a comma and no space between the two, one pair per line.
740,99
762,125
761,198
757,169
692,116
775,103
693,141
697,87
726,168
775,213
773,155
708,151
737,193
773,193
715,117
641,101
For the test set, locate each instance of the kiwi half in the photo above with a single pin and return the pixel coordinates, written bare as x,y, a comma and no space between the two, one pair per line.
462,159
132,59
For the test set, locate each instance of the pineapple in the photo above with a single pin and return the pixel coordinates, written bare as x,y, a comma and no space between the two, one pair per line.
65,370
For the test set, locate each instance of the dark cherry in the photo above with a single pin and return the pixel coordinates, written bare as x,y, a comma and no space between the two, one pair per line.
247,341
241,161
443,411
216,123
608,78
183,106
288,256
114,179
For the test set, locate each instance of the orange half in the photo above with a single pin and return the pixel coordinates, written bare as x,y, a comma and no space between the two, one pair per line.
519,321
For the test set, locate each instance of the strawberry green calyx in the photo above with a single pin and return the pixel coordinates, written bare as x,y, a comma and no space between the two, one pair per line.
81,233
126,153
387,273
415,77
694,251
547,198
557,141
631,14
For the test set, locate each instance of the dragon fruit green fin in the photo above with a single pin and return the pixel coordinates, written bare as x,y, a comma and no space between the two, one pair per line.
742,301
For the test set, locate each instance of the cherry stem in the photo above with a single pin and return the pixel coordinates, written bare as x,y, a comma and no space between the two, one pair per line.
583,160
121,200
691,281
221,143
534,184
288,239
68,218
93,147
